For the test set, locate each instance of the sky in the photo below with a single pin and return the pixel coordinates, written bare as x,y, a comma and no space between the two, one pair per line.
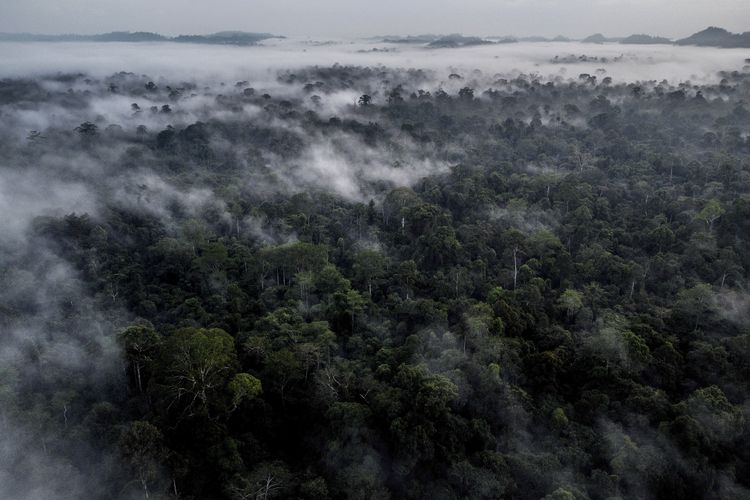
356,18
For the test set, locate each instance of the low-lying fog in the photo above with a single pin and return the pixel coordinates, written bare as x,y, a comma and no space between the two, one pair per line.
631,62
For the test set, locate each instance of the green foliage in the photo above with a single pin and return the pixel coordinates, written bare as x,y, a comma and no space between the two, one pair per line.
571,301
556,310
711,213
244,386
194,366
142,446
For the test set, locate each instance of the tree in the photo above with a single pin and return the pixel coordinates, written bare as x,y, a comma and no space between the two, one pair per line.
282,370
479,323
515,240
329,280
267,480
695,302
349,303
571,301
422,412
369,267
710,213
244,387
408,275
708,422
140,343
365,100
196,365
142,445
466,93
87,129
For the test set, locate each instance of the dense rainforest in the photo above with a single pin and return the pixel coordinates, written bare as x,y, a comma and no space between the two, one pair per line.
367,282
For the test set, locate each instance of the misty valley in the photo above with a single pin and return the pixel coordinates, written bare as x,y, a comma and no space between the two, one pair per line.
370,270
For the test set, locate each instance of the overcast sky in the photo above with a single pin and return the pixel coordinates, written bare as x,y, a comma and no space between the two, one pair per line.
346,18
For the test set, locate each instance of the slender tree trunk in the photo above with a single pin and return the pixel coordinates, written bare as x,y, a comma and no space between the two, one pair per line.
144,482
138,376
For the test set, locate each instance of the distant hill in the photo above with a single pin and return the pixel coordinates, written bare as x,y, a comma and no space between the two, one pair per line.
558,38
411,39
126,36
224,37
505,39
710,37
534,39
717,37
645,40
599,38
29,37
455,41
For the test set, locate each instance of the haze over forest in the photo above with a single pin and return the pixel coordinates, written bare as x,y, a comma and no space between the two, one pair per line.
332,256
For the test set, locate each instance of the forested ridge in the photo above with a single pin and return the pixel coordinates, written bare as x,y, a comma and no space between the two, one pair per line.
489,287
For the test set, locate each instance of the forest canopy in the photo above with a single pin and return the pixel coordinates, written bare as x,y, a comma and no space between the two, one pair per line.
370,281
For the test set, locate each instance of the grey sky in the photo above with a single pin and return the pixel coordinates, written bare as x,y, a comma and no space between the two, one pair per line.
359,18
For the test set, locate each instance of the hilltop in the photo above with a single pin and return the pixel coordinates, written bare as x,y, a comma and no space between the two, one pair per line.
645,40
223,38
599,38
717,37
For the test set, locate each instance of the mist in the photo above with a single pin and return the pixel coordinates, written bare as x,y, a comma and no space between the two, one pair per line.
222,63
536,245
